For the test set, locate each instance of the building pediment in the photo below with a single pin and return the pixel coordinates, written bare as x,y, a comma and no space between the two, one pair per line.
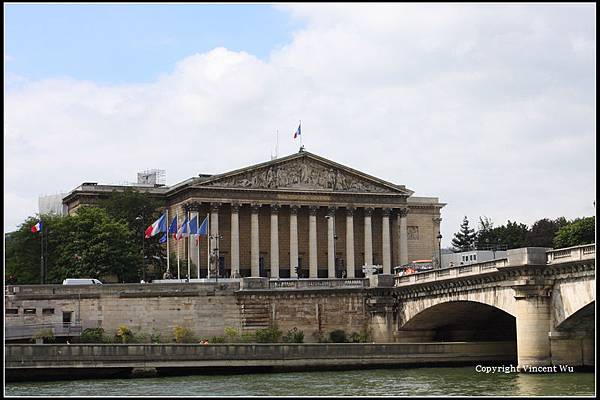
303,172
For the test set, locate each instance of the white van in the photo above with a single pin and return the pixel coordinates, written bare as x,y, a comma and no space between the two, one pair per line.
81,282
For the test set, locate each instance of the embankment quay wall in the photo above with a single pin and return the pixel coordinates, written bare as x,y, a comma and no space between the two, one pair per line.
205,308
52,361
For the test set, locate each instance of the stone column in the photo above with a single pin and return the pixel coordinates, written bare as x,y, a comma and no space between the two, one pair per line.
331,242
533,311
235,240
214,232
254,249
275,240
386,244
368,237
312,241
350,242
293,240
402,236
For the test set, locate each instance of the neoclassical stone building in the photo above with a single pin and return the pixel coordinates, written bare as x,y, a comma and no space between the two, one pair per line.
301,210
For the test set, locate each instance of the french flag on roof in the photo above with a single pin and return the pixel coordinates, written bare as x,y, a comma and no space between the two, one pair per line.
160,225
37,227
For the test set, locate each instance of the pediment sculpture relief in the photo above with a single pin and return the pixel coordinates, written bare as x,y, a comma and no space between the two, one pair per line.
302,174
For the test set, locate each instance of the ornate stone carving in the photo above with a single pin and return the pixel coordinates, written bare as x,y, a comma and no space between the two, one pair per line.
192,206
386,212
350,211
214,207
235,207
301,174
402,212
412,232
331,211
312,210
294,209
368,211
255,208
275,208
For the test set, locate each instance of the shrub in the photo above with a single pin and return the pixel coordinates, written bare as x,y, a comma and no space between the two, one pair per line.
231,333
45,334
183,335
248,338
338,336
141,338
354,337
294,335
217,339
124,334
155,337
92,335
268,335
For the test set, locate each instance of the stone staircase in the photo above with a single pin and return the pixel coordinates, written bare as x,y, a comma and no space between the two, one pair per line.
255,316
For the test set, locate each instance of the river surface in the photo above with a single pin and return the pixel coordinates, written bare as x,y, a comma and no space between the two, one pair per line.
462,381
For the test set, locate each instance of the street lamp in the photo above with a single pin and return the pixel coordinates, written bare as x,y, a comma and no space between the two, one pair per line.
439,238
140,218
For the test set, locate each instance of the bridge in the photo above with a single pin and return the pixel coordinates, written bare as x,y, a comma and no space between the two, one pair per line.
544,299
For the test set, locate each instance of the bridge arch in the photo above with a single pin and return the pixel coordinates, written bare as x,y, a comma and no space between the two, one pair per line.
461,320
569,297
581,320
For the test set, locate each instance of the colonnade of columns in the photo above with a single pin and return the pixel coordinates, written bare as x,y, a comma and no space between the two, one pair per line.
387,213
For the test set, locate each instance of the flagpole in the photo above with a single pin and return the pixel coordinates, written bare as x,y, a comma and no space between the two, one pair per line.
42,252
208,239
178,245
198,246
167,233
188,252
300,126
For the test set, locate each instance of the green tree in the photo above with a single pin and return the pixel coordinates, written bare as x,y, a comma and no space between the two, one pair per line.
23,249
486,237
542,232
138,211
464,239
577,232
93,245
512,235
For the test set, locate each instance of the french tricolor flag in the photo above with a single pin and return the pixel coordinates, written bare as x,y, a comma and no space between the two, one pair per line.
160,225
37,227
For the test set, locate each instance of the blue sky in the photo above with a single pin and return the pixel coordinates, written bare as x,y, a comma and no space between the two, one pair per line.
115,43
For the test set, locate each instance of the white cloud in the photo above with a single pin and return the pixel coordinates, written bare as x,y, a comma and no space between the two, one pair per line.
491,108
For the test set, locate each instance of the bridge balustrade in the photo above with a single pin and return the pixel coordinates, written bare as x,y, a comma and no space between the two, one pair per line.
576,253
318,283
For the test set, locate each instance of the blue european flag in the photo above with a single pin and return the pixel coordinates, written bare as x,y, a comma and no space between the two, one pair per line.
203,230
163,239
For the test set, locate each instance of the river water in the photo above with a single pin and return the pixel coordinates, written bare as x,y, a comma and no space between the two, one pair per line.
457,381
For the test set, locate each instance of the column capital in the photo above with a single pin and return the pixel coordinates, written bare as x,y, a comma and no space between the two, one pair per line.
255,208
386,211
350,211
331,211
368,211
214,206
294,209
275,208
235,207
402,212
436,219
191,206
312,210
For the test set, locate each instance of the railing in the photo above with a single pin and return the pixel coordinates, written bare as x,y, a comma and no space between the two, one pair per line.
576,253
28,331
450,273
318,283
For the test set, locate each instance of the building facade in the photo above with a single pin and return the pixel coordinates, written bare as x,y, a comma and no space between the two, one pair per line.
299,213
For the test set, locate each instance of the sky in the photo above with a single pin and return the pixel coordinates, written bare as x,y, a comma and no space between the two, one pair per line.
489,107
